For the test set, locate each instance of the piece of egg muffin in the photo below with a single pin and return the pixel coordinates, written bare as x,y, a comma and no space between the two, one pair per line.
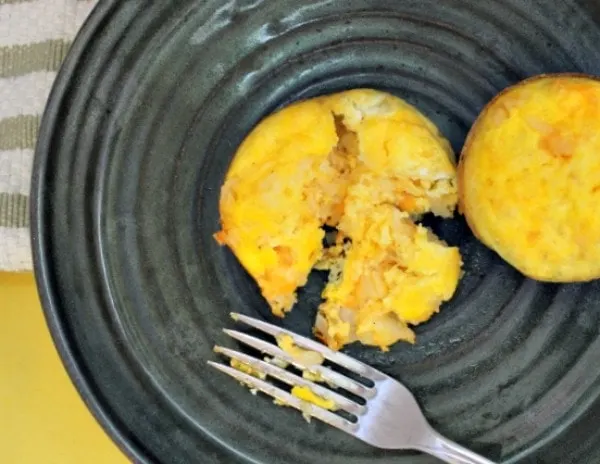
368,164
530,177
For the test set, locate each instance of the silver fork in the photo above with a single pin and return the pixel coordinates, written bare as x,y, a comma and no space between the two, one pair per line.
390,418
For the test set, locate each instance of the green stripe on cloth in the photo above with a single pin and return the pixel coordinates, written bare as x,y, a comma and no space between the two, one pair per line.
18,60
14,210
7,2
19,132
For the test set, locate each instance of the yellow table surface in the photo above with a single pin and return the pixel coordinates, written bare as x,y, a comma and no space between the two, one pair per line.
42,418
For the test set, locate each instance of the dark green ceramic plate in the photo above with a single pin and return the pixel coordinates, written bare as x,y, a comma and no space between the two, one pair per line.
146,114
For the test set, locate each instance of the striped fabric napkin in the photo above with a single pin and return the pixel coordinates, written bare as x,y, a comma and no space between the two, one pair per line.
35,36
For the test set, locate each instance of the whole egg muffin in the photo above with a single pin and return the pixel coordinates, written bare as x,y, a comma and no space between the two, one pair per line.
529,177
369,165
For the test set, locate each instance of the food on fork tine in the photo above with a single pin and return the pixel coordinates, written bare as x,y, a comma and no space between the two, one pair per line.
311,373
283,397
368,164
301,387
335,357
388,416
306,394
247,368
307,358
329,376
304,388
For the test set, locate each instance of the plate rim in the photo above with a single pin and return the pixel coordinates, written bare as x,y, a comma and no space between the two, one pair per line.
41,262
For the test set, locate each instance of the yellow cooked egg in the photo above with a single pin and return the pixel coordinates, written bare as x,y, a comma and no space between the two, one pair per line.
306,394
530,177
368,164
307,358
247,369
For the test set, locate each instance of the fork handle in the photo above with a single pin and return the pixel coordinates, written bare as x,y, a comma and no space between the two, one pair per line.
453,453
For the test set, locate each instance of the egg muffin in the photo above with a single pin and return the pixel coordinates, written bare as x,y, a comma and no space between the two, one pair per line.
530,177
369,165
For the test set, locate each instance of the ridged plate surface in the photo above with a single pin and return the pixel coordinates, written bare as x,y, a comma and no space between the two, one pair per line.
141,126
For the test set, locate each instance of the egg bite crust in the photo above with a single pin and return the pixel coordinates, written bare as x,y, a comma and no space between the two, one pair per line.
529,177
368,164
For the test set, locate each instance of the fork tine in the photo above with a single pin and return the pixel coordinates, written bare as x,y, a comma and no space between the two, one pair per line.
285,397
303,342
328,375
291,379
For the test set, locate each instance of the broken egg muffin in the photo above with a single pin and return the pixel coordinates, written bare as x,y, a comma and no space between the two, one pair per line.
369,165
530,177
